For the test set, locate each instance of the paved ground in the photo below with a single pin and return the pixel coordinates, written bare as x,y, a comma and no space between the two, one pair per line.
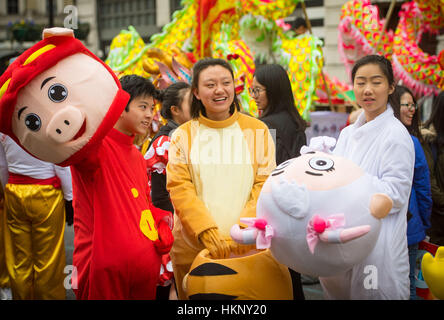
69,248
311,291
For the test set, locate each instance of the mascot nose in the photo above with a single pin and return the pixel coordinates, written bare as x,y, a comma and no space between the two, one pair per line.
319,224
65,124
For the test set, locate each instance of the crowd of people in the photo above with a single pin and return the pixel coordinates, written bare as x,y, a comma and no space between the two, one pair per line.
197,183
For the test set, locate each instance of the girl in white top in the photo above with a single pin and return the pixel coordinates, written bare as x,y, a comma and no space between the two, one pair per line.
380,144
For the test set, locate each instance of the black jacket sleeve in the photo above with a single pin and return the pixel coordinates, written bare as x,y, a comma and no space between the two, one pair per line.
288,140
159,193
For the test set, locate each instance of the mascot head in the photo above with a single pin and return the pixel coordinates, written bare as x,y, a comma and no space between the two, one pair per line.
318,213
255,275
58,100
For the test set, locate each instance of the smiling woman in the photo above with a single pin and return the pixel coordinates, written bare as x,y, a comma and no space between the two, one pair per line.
210,186
213,90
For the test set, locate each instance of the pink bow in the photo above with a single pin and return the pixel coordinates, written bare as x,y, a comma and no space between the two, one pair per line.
264,231
317,225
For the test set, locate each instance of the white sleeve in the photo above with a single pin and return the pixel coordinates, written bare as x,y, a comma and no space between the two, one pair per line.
341,143
396,175
4,175
64,174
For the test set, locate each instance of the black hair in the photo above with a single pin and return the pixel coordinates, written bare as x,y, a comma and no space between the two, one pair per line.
196,106
384,64
413,129
137,86
299,21
437,118
172,96
278,90
386,67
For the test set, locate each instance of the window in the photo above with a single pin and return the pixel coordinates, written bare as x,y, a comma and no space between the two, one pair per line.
314,3
118,14
54,6
13,7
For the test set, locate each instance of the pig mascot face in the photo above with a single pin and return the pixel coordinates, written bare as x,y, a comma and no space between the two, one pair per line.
319,214
57,100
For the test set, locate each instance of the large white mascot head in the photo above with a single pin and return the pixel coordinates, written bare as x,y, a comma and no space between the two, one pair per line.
319,214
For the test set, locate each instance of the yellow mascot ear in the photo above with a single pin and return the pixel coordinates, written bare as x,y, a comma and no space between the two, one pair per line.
433,272
52,32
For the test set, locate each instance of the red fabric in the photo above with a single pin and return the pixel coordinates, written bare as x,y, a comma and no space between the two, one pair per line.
166,271
164,223
15,178
114,258
158,159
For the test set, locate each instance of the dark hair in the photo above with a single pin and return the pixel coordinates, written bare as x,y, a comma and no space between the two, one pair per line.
413,129
386,68
382,62
299,21
137,86
172,96
196,105
278,90
437,118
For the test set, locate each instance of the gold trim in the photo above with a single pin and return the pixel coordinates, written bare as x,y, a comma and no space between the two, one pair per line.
39,52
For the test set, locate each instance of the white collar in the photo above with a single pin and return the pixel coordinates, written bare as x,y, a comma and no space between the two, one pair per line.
361,121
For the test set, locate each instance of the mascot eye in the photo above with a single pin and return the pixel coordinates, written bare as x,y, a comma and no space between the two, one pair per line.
279,168
321,164
57,92
32,121
283,164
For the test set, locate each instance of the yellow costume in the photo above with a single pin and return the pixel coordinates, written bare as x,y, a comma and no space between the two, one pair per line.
4,278
215,173
35,257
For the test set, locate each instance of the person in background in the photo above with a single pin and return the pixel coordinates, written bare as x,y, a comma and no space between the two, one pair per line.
272,93
433,134
353,116
176,110
381,145
299,26
271,90
36,194
420,202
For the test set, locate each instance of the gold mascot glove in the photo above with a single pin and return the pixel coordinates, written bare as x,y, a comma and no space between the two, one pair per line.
215,243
